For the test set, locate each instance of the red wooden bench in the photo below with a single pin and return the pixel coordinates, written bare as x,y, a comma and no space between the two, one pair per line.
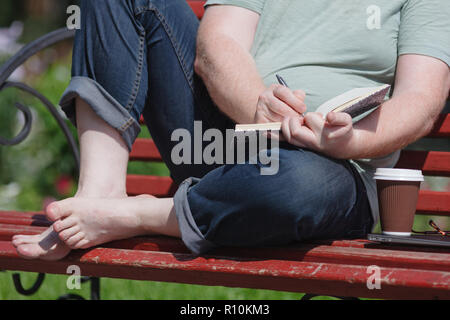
336,268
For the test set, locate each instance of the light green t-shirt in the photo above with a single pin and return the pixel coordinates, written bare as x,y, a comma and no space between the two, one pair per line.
327,47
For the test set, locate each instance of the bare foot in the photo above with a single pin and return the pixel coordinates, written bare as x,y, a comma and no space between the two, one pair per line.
85,222
46,246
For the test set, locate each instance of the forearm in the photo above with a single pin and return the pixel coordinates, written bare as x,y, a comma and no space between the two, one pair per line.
230,75
398,122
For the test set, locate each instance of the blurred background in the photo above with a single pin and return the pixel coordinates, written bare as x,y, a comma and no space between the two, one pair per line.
42,169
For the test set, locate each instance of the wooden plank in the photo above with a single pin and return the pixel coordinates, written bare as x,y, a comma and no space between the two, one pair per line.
197,7
24,214
441,128
154,185
145,150
319,253
434,163
433,203
8,230
415,257
24,221
295,276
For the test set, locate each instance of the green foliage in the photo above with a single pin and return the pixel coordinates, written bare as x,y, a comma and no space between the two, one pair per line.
117,289
44,157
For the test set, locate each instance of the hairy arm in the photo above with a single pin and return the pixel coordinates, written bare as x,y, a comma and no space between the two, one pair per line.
421,89
224,62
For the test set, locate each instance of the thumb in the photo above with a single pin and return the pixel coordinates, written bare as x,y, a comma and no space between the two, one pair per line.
338,118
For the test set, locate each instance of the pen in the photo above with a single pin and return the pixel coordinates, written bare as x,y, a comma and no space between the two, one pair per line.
283,83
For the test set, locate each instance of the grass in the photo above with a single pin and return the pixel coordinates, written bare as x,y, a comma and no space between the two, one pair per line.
117,289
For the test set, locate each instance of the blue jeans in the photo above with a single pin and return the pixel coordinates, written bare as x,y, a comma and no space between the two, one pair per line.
136,57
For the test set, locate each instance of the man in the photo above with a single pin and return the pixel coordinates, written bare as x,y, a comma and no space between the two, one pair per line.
138,57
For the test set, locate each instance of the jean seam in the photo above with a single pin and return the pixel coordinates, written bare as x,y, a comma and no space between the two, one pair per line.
169,33
126,124
137,81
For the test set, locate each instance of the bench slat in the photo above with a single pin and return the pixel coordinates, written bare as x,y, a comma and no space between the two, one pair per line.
295,276
441,128
8,230
154,185
370,254
433,203
24,221
376,255
197,7
145,150
433,163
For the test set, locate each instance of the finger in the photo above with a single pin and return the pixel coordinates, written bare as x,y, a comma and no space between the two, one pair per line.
300,135
288,97
300,94
281,109
315,121
337,132
274,135
285,129
338,118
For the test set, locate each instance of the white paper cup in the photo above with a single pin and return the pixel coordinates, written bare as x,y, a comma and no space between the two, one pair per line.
398,191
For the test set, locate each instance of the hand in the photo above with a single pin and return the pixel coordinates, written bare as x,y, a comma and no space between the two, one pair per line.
278,102
331,136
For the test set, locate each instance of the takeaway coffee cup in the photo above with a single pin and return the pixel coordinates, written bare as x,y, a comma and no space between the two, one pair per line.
398,190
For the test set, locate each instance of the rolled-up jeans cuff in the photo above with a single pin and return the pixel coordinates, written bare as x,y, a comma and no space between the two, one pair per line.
190,234
103,104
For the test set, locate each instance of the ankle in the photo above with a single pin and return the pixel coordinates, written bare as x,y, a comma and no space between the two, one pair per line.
100,191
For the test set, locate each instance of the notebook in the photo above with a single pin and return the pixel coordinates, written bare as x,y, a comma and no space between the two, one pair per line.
354,102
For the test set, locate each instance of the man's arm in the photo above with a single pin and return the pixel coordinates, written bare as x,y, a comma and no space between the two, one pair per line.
421,89
224,62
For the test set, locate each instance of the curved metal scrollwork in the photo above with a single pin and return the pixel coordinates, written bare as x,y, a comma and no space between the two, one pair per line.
95,290
309,296
28,119
34,288
5,72
12,64
25,130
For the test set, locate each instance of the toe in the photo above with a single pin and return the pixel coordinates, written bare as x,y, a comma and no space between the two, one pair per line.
29,251
21,239
82,244
61,225
69,232
145,196
73,240
58,210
